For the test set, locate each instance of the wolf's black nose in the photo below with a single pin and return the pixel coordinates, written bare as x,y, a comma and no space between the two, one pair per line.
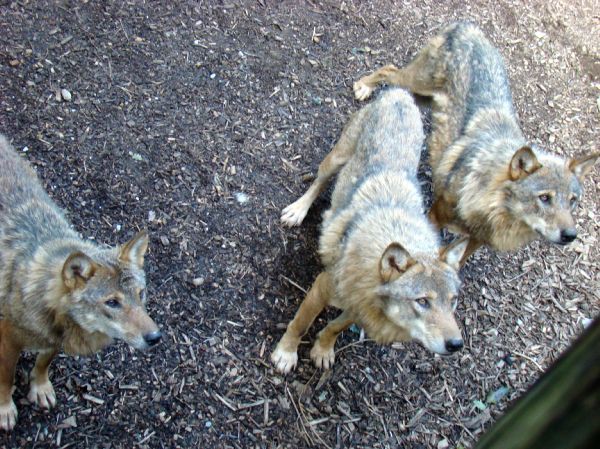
454,344
152,338
568,235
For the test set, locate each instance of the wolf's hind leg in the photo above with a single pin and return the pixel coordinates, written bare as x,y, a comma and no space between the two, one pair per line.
10,350
41,391
441,213
322,353
421,76
343,150
473,246
285,356
364,87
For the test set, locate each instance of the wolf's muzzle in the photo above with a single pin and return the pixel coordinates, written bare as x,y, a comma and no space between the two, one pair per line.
567,235
152,338
454,344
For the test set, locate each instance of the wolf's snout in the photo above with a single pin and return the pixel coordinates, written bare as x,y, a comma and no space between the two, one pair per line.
568,235
454,344
152,338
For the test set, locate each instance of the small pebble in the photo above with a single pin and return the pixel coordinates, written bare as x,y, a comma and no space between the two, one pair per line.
69,422
586,322
197,282
65,94
241,197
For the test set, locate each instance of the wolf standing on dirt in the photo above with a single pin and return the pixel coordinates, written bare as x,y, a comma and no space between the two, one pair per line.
489,183
57,290
383,263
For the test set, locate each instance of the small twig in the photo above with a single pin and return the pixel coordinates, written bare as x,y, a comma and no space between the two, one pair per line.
461,424
509,281
228,404
561,308
294,284
142,441
356,343
266,413
300,416
518,354
251,404
316,422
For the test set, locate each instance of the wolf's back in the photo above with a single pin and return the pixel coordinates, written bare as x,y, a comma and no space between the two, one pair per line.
392,132
18,181
475,70
28,217
390,141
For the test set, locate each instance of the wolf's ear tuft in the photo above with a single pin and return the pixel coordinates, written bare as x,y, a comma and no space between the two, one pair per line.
134,250
523,163
453,253
394,261
77,270
582,166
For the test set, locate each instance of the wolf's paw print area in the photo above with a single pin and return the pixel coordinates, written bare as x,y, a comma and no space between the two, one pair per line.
8,416
42,394
361,90
294,214
284,361
321,356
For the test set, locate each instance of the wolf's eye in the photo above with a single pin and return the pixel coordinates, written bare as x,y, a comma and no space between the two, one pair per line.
573,201
143,295
423,302
113,303
544,198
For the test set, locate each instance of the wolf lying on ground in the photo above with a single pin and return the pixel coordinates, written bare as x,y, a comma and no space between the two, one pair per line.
57,290
383,263
489,183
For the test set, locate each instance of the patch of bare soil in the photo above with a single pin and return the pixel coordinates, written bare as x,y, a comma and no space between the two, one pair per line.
176,109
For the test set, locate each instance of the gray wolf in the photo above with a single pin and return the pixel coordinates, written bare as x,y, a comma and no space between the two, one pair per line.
489,182
57,290
384,267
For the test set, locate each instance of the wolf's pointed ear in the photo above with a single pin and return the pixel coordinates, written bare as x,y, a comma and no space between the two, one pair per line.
453,253
135,249
395,261
582,166
523,163
77,270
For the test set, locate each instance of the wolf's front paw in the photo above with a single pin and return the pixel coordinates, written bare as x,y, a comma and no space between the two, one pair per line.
8,415
361,90
42,394
284,361
294,213
321,356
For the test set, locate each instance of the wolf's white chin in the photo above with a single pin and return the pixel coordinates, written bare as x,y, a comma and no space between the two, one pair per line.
137,343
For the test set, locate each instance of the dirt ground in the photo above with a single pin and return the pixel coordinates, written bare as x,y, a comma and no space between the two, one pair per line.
198,121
